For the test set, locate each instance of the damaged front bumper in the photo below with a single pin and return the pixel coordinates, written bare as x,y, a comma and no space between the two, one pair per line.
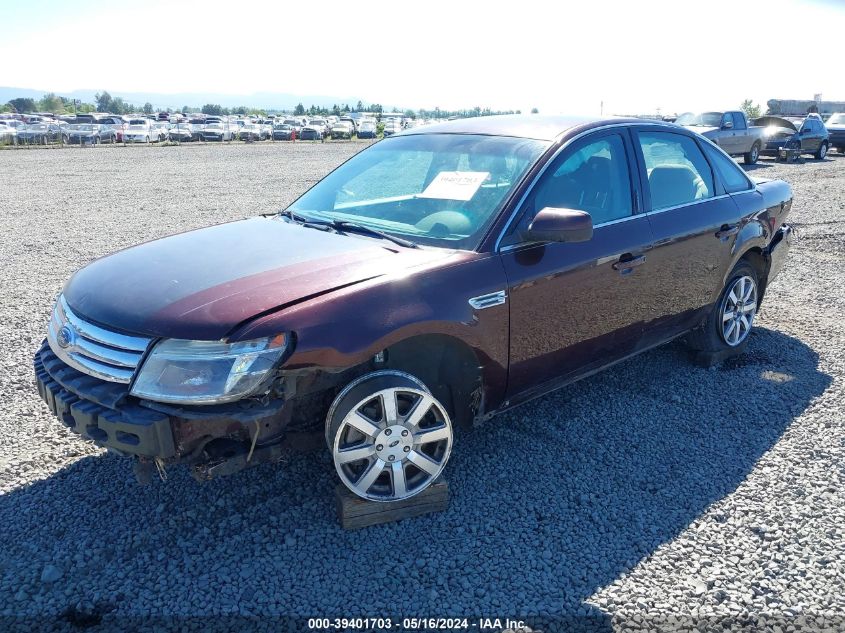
216,440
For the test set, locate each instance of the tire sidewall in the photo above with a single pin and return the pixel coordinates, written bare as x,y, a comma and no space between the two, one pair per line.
356,390
712,340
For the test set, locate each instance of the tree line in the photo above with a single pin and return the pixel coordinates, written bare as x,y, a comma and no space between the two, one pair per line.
105,102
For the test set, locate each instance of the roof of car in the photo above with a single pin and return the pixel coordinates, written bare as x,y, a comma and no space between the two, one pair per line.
541,127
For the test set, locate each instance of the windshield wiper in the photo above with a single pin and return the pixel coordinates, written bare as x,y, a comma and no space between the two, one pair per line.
346,225
303,220
360,228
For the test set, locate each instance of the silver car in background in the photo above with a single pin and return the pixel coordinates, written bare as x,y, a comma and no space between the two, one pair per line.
140,131
217,130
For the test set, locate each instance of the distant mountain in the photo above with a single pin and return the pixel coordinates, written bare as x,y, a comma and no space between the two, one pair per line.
162,101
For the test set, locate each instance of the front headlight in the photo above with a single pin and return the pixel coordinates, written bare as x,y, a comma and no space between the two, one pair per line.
207,372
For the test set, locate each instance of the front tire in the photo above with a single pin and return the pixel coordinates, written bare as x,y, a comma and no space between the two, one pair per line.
390,438
751,157
822,152
728,326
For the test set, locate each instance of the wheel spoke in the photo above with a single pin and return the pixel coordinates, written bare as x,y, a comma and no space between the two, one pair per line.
423,462
432,435
749,288
727,316
732,296
370,475
730,330
354,454
360,423
749,308
400,486
388,407
746,322
421,407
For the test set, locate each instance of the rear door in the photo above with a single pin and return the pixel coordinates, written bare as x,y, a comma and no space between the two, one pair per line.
576,306
694,224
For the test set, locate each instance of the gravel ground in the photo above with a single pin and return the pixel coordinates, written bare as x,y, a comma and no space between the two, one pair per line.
652,491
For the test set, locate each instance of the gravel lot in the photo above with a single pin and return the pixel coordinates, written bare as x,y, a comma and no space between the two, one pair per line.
656,489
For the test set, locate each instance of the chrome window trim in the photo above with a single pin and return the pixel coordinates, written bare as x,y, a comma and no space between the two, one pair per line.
498,248
510,247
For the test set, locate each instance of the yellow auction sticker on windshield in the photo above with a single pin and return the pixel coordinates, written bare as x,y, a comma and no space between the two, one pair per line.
455,185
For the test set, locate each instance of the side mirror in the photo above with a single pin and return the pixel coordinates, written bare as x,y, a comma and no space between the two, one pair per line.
727,125
561,225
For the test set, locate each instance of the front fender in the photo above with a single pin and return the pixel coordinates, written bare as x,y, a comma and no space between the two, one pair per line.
348,327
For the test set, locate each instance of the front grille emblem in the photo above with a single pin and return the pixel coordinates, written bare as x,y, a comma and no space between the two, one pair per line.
65,337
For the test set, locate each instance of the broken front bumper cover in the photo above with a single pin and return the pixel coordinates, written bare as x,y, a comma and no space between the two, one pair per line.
106,414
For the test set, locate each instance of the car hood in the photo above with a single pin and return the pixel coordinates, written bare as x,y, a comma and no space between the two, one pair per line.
774,122
202,284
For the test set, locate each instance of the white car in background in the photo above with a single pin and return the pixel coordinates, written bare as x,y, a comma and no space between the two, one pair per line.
8,133
140,131
162,130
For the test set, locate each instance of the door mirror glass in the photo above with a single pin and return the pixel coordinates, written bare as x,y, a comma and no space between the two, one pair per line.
561,225
727,125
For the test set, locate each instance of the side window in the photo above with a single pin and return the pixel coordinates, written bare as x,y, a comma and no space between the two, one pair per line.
739,121
731,174
678,173
592,178
725,118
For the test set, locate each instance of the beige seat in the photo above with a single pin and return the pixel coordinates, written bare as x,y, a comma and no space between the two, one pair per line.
674,185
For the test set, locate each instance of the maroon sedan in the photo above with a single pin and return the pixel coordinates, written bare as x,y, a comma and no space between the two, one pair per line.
439,276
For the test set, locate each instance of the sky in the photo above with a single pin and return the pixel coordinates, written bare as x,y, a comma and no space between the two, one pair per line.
575,56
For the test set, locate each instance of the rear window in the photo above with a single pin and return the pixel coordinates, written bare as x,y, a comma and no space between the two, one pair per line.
732,176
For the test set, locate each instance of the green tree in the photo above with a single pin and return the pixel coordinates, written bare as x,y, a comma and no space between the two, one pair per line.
23,104
359,106
299,110
51,103
212,108
534,111
752,111
148,108
185,109
104,102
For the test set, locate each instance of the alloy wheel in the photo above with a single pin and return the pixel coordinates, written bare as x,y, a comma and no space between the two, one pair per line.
392,444
739,306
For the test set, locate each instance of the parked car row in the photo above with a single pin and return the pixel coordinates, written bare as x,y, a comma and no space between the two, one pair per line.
148,130
767,135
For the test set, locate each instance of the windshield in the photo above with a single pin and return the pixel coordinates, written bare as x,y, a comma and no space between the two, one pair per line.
836,119
700,119
82,128
436,189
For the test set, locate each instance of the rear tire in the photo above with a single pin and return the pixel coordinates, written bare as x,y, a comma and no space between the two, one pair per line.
751,157
726,329
822,152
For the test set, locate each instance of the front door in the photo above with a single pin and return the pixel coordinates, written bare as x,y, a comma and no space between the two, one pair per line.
577,306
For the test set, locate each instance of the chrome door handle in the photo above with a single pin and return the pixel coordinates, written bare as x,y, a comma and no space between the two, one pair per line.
627,262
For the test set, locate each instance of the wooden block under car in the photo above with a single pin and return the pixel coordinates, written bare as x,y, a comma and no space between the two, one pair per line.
354,512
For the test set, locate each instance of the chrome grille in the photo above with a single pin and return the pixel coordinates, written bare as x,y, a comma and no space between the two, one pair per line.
91,349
